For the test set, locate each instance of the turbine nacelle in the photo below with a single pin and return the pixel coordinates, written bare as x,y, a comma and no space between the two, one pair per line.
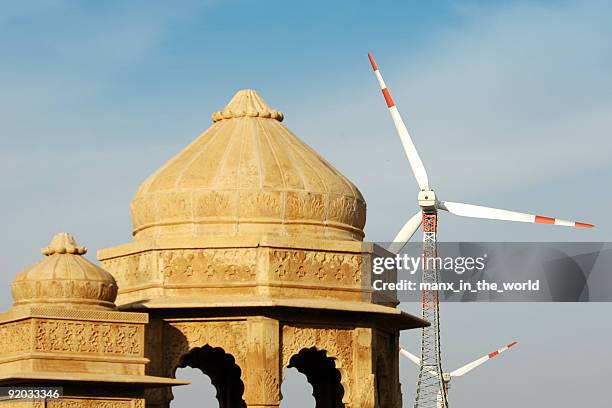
427,200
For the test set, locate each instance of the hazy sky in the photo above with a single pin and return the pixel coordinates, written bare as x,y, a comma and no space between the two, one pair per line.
509,103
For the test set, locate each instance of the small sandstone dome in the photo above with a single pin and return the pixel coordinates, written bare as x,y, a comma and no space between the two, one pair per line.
248,174
64,278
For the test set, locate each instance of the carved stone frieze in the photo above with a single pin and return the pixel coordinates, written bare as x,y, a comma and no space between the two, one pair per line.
82,337
93,403
133,270
316,266
225,268
184,267
98,291
261,203
307,206
22,404
342,209
72,402
14,337
202,265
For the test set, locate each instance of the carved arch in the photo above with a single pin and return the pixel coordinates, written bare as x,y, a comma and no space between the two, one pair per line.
322,374
336,343
223,371
183,337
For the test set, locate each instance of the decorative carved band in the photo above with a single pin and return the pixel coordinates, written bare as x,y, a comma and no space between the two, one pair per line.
13,337
88,314
133,270
91,403
217,265
76,291
316,266
223,266
188,212
89,338
75,403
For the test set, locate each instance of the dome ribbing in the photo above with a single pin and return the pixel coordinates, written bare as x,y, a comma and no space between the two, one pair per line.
248,175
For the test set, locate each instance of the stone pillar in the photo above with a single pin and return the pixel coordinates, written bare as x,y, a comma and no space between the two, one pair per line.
154,349
263,366
386,363
364,387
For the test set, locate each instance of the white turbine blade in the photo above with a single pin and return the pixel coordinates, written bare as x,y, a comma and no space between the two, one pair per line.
469,367
413,156
410,356
415,360
477,211
407,231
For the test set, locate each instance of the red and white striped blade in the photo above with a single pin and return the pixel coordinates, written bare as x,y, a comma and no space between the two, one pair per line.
477,211
469,367
407,231
413,156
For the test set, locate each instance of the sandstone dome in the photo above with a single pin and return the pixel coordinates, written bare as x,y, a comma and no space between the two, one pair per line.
248,175
65,279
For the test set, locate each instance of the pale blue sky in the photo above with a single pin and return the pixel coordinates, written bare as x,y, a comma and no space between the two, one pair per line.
509,103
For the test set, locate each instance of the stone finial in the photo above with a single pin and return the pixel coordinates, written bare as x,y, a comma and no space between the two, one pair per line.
63,243
247,103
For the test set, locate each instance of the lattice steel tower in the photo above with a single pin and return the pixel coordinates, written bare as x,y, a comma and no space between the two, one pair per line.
431,392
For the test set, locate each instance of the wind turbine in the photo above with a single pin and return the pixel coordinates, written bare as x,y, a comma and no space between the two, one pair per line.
430,385
447,377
